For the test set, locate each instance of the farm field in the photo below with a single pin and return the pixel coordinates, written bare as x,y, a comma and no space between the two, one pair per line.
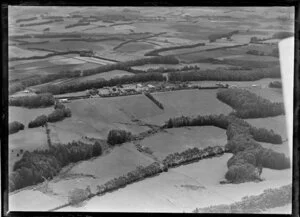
182,189
188,102
241,38
104,75
180,139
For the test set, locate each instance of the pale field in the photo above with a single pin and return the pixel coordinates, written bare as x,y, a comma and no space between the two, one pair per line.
183,189
135,47
14,52
180,139
66,45
188,102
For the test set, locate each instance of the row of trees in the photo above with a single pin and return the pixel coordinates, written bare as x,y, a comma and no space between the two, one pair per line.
249,156
191,154
35,101
151,97
104,68
248,64
164,70
157,51
138,174
26,19
224,75
248,104
60,112
15,127
37,23
38,165
60,89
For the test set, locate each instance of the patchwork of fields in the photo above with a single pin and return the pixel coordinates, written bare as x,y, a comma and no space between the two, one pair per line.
48,42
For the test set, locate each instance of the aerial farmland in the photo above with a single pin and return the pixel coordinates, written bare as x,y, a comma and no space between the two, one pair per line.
148,109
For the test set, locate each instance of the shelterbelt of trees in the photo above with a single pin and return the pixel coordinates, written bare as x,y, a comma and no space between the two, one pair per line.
215,75
38,165
239,62
105,68
15,127
248,104
60,112
36,101
60,89
154,100
249,156
224,75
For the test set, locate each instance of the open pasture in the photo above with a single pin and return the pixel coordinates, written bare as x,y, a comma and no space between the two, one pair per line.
182,189
135,47
25,115
188,102
179,139
96,116
16,52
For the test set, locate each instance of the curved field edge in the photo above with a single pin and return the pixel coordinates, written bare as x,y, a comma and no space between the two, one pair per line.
270,198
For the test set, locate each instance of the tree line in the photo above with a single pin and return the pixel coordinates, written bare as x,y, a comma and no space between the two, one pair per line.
38,165
224,75
69,88
104,68
60,112
35,101
15,127
248,104
249,156
152,98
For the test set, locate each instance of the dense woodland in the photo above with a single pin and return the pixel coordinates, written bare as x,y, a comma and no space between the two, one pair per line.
118,137
35,101
248,104
34,167
15,127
